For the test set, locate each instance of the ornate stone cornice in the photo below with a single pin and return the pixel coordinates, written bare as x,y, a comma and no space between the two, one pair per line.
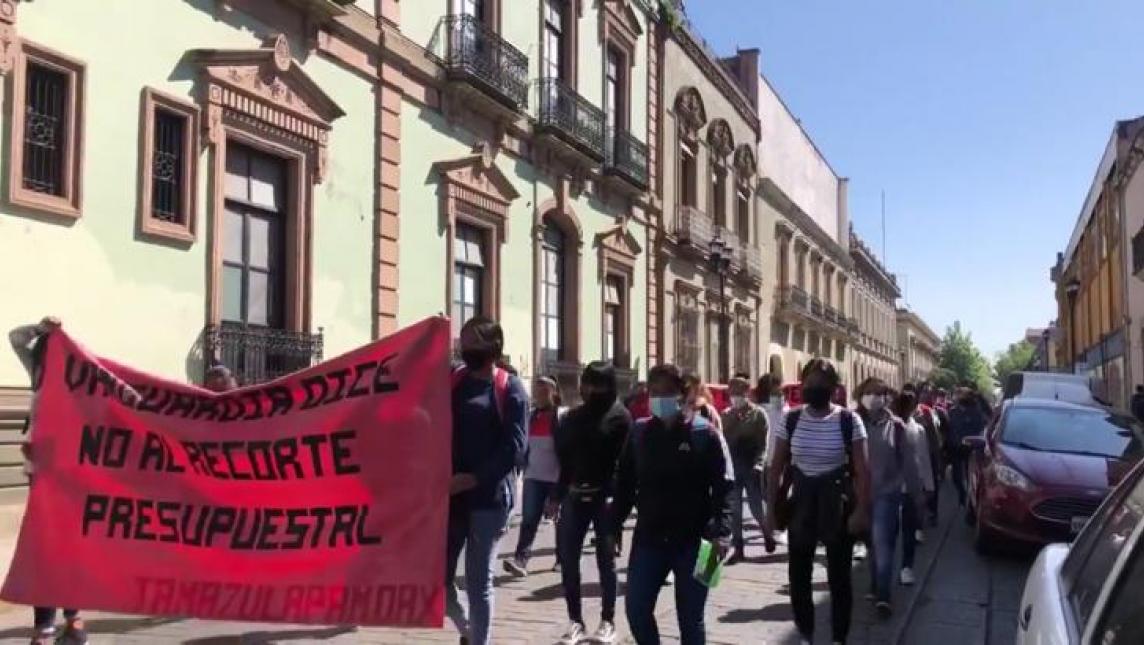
718,76
867,264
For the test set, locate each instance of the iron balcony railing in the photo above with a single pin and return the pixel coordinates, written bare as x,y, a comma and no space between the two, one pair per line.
692,226
794,298
572,117
259,354
476,54
626,156
831,314
816,307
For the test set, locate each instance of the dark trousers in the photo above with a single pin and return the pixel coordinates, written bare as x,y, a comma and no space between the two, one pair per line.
911,524
749,484
576,513
647,570
959,471
44,618
838,564
536,493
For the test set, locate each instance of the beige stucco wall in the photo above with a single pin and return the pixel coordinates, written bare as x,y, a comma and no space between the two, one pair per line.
1132,219
789,158
140,301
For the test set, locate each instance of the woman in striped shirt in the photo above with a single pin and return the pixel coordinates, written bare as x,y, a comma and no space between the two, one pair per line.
821,449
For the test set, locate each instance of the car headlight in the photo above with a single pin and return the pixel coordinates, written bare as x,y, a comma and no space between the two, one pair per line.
1011,477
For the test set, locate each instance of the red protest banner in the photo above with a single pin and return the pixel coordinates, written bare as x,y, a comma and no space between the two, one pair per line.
319,498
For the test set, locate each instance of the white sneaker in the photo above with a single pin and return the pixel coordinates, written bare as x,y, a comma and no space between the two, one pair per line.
920,536
605,633
907,577
574,635
859,552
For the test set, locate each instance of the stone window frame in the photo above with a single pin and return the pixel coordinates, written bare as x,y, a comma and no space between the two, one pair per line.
492,18
688,299
68,205
620,31
618,253
720,146
745,168
690,117
261,98
151,101
569,38
743,318
559,211
474,191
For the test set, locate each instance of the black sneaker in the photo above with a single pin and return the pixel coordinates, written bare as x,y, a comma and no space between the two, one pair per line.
884,609
73,635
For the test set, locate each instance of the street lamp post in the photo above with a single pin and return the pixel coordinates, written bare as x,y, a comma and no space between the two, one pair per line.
719,255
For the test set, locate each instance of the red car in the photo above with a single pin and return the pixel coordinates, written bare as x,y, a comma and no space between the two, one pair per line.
1044,466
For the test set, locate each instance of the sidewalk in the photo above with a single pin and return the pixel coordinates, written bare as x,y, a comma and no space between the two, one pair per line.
752,605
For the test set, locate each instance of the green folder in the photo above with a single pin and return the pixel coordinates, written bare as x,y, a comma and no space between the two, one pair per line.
708,566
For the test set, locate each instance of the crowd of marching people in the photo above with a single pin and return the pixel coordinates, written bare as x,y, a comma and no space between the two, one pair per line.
856,481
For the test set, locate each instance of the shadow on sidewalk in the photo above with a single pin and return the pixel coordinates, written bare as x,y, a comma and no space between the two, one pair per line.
102,626
255,638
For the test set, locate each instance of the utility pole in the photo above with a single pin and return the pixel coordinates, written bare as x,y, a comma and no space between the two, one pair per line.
884,228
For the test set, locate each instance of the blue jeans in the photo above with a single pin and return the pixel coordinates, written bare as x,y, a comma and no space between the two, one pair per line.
911,524
749,484
478,532
648,567
884,538
536,493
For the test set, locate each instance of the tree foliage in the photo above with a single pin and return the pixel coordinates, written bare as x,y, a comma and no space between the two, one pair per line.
1014,359
943,378
961,357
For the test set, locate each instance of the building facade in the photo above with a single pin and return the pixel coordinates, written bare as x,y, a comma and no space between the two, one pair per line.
179,196
804,211
708,266
1090,276
874,297
515,175
919,348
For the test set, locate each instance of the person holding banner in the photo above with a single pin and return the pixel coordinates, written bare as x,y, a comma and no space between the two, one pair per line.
589,443
490,412
30,342
677,470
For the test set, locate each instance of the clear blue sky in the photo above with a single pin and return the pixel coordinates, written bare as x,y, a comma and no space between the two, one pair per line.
983,120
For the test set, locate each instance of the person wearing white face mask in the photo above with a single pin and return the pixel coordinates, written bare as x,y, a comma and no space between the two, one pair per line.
745,428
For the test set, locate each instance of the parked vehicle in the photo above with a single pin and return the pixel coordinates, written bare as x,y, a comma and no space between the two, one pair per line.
1043,467
1073,388
1091,591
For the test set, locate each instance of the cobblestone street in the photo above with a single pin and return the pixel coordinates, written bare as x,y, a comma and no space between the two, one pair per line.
750,606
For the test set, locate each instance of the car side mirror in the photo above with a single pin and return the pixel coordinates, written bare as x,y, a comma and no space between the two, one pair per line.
974,443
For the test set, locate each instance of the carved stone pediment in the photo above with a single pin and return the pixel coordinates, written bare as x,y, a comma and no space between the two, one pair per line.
478,173
745,162
689,110
619,22
265,86
620,240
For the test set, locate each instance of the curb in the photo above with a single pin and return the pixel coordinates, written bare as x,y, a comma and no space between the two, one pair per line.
900,632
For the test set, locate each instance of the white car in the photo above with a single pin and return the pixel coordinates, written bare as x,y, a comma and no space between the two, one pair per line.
1091,591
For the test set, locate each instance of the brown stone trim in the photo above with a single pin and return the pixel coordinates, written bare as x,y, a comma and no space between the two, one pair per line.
619,26
299,216
654,268
719,77
474,191
9,43
618,254
389,102
69,204
151,101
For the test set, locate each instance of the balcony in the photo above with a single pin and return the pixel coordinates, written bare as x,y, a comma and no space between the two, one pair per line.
1138,254
692,227
260,354
751,262
626,157
571,118
477,56
793,301
816,307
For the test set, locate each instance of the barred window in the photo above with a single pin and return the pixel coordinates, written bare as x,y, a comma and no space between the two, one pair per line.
46,113
687,333
45,129
167,162
744,356
168,168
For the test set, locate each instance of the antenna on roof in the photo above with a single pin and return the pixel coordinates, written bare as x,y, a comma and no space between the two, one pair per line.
884,228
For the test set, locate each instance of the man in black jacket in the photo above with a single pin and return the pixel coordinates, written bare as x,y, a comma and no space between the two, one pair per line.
588,445
677,470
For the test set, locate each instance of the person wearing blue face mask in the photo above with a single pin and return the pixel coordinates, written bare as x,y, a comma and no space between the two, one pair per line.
676,468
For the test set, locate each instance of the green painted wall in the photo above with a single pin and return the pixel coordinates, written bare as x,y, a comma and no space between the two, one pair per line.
140,301
427,139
